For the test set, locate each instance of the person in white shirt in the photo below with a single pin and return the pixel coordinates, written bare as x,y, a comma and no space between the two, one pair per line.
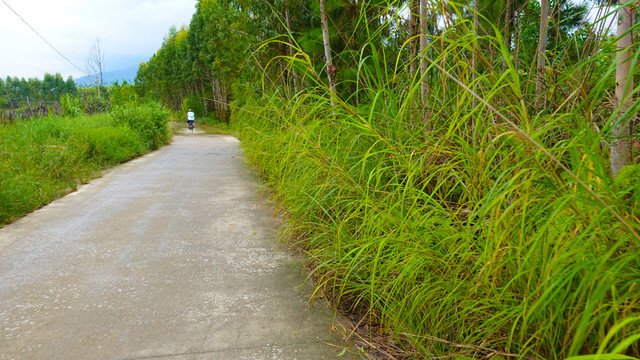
191,118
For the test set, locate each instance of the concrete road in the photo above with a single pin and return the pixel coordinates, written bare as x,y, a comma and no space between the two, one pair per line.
170,256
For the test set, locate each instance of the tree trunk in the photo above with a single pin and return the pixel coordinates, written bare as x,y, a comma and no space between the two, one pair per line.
542,46
214,95
476,29
294,77
423,53
224,102
284,71
204,102
331,70
508,21
474,64
620,147
413,32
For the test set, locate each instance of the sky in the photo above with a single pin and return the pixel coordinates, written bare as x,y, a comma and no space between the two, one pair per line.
130,31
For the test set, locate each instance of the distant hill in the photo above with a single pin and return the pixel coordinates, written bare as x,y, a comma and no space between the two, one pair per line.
111,77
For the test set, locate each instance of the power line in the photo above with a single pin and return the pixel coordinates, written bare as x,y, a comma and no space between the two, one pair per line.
43,39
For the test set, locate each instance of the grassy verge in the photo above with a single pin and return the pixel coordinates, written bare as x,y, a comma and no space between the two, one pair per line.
45,158
455,249
465,227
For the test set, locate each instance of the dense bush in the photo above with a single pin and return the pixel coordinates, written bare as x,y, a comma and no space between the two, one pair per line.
149,121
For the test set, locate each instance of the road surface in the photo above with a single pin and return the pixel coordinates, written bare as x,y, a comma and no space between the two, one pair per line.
170,256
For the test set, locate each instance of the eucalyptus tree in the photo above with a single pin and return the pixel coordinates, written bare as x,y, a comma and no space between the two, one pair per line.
227,46
620,151
542,47
199,59
424,42
35,89
70,86
413,31
53,86
168,79
327,47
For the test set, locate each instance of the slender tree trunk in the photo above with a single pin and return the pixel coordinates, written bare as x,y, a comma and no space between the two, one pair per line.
423,53
474,65
287,19
476,29
98,86
542,46
214,95
221,98
331,70
224,102
284,71
413,32
204,102
508,21
620,147
557,11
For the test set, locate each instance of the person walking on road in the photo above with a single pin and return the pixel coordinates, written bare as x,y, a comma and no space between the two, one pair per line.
191,118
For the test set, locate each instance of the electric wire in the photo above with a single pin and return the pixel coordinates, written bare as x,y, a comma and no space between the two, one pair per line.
43,39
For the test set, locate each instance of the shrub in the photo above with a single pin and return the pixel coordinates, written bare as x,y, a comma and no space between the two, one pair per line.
149,121
71,106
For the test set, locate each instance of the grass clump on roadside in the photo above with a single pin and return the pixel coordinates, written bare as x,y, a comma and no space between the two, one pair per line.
469,227
42,159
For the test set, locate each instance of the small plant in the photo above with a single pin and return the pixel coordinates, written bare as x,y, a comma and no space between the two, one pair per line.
149,121
71,106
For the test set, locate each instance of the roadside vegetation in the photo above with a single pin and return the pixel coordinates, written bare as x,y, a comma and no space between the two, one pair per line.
463,177
43,158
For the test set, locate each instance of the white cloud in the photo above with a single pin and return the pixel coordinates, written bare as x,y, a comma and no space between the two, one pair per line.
130,31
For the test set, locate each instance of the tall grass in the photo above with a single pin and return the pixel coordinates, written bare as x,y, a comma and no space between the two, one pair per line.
44,158
476,227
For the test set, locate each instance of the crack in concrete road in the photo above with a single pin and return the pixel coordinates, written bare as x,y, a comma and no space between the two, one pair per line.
171,253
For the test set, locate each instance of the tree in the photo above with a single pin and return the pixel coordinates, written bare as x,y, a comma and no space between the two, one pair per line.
620,153
287,18
70,86
48,87
542,47
474,56
95,64
414,30
424,23
35,89
331,70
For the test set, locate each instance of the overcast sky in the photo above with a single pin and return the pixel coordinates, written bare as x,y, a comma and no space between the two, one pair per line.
130,31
